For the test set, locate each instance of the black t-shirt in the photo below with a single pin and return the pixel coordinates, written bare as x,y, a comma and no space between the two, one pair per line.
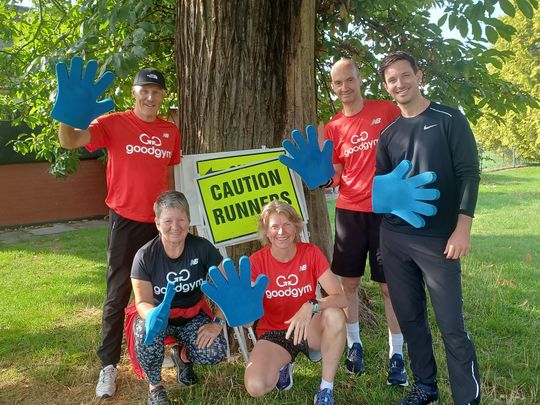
439,140
188,271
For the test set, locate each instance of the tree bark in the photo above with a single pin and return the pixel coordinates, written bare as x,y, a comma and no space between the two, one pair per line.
246,78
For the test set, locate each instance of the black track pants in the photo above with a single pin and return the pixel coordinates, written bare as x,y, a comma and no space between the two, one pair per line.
412,263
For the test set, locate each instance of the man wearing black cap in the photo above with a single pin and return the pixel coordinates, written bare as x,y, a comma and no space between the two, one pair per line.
142,150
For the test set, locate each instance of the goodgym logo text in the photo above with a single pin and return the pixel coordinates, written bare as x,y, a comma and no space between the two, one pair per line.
288,288
150,145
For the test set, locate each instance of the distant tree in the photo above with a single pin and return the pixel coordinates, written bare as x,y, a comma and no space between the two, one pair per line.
518,130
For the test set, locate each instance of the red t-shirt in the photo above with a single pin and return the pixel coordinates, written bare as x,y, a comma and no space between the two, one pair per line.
291,284
139,154
355,144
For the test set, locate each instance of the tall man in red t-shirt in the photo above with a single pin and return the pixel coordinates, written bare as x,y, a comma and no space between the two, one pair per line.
355,133
142,150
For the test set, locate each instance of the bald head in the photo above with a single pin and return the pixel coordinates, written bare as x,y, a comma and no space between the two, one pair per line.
346,84
345,64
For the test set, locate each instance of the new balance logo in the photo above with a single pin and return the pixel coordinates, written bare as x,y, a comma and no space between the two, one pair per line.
426,127
376,121
303,267
194,262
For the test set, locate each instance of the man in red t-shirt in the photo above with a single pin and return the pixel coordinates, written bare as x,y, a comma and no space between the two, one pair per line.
355,133
142,150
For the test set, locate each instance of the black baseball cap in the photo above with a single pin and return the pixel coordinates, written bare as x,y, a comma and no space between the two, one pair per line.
149,76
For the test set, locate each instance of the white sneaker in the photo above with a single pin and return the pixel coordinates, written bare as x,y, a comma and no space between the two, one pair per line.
106,386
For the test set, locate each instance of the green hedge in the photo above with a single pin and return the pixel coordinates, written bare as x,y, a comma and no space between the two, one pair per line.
8,155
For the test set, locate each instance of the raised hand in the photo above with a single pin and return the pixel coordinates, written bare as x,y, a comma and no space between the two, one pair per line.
313,165
394,194
240,302
76,100
158,317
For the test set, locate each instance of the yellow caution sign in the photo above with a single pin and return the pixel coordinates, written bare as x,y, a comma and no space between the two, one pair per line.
233,199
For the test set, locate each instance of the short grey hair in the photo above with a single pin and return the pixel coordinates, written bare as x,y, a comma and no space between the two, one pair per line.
171,199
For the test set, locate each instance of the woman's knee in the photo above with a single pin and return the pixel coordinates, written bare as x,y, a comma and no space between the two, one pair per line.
256,386
209,356
333,319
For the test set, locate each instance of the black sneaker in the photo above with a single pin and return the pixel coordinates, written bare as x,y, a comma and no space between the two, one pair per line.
355,359
158,396
421,394
396,371
185,374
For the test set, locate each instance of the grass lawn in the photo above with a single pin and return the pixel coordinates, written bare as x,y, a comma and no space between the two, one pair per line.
53,289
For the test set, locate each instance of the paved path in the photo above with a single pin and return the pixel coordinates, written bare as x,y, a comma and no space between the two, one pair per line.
16,235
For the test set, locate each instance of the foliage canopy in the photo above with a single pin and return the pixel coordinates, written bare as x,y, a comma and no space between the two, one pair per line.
520,130
125,35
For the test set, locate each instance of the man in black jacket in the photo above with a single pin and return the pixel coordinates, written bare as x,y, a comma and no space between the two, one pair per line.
434,138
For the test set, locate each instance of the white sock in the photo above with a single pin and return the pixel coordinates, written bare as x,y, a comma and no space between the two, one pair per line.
326,384
395,343
353,334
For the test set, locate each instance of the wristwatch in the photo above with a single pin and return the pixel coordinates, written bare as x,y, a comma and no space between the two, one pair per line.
219,321
315,304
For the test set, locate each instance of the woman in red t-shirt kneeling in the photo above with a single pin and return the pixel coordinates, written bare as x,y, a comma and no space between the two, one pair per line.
294,319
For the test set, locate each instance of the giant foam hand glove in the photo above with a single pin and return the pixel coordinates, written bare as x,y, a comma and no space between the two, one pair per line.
240,302
313,165
76,100
394,194
158,317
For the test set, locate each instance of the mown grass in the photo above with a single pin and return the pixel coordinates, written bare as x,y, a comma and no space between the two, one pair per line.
53,288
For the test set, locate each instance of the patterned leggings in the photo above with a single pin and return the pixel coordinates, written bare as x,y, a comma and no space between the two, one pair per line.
151,356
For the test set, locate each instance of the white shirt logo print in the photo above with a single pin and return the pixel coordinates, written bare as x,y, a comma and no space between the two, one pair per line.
292,280
426,127
149,145
181,282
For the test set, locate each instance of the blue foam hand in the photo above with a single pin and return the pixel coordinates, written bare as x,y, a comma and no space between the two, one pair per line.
394,194
158,317
76,101
313,165
240,302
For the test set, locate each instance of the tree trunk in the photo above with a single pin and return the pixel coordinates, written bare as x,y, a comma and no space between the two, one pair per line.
246,78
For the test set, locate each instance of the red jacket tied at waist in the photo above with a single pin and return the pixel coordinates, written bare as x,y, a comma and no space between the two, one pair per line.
131,315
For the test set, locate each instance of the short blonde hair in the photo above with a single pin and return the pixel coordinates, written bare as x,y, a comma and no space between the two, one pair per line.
278,207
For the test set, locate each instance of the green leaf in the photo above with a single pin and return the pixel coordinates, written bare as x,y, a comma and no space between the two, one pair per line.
139,36
139,51
442,20
463,26
452,21
491,34
507,7
505,32
476,30
496,62
525,8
